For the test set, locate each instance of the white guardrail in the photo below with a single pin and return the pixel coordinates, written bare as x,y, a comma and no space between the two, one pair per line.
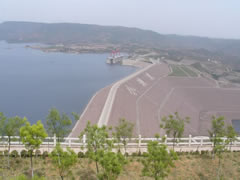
135,144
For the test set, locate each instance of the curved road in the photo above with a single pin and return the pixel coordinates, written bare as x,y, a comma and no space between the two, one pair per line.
103,120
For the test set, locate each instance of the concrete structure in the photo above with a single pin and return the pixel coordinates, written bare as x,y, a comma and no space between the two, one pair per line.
115,60
149,94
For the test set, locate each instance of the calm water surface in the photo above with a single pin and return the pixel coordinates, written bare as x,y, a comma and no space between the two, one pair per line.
31,81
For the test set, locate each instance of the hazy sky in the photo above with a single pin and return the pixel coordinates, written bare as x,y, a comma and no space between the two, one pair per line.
213,18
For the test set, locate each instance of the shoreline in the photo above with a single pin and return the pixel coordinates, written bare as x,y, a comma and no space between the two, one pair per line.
74,49
137,62
52,64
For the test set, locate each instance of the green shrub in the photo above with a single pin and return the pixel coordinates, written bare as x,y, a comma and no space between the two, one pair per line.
134,154
20,177
38,178
5,152
196,152
24,153
39,174
87,154
138,160
18,161
45,154
144,154
179,153
14,154
38,153
81,154
204,152
29,152
139,153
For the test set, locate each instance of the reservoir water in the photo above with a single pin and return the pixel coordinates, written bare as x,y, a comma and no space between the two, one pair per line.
31,81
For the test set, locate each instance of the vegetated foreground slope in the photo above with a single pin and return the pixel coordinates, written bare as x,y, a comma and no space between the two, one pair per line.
187,167
69,33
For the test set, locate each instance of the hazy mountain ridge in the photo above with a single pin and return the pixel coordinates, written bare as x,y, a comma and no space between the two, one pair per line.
70,33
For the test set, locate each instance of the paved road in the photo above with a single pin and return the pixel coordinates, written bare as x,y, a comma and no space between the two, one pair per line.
103,120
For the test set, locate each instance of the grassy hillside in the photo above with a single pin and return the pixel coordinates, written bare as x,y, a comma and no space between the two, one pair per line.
189,166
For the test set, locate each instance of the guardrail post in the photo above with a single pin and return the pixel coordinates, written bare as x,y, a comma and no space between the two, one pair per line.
69,142
84,142
165,139
201,143
48,138
235,142
212,142
190,140
54,140
139,141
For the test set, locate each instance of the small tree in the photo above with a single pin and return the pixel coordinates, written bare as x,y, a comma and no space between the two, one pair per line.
97,142
123,132
112,165
216,133
2,122
63,160
10,127
174,126
158,160
231,136
76,116
58,124
32,137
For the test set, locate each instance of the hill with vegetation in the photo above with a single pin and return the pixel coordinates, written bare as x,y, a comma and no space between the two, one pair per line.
177,47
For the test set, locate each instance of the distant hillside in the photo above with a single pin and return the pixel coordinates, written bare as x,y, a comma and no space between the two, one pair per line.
69,33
